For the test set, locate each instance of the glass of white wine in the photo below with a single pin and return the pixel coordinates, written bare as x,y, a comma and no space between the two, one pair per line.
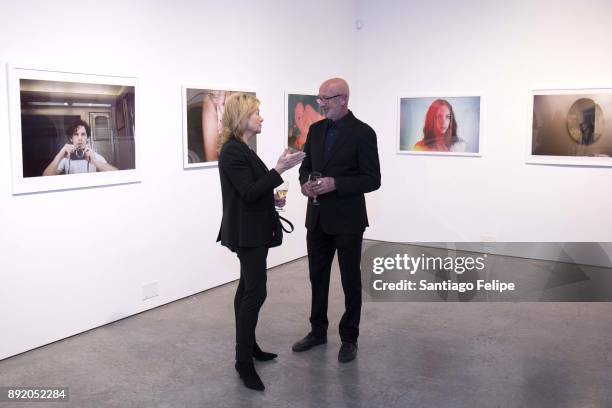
281,193
313,177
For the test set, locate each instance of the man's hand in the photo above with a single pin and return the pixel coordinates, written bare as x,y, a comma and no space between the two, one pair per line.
324,185
89,154
65,151
307,190
53,168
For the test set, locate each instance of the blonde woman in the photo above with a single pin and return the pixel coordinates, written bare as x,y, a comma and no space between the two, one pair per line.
247,189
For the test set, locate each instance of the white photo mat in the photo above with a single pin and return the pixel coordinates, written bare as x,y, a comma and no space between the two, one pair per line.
23,185
440,95
184,107
287,113
567,160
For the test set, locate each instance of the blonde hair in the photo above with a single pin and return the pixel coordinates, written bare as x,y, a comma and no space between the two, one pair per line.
238,109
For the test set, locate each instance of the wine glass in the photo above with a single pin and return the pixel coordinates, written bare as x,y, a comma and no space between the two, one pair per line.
281,192
313,177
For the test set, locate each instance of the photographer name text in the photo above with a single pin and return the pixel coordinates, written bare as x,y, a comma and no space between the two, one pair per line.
447,285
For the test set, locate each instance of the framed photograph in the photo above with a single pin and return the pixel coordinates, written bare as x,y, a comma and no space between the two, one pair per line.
440,125
203,108
64,131
301,111
570,127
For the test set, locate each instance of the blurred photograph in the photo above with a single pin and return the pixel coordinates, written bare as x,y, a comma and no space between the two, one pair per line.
570,124
202,113
302,111
440,125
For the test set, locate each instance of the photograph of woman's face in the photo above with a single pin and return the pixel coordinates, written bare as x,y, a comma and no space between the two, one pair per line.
443,119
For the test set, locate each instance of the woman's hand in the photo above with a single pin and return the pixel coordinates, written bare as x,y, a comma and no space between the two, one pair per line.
288,160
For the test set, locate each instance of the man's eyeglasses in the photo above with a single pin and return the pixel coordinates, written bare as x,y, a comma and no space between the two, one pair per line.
321,98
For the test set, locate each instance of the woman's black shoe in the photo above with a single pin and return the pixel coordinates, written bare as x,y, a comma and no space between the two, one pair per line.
260,355
249,376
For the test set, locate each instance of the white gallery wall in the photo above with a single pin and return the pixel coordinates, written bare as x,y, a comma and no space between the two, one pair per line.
77,259
499,50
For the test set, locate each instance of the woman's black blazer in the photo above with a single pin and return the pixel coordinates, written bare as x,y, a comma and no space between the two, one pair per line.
247,190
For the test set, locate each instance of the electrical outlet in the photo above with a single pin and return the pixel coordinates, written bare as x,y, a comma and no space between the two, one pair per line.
150,290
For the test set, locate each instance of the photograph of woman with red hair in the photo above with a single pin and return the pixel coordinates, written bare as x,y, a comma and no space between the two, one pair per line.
432,125
440,130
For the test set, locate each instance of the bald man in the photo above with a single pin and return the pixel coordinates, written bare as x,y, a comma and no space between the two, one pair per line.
343,150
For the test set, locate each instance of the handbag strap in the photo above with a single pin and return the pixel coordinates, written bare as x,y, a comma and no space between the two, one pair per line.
281,219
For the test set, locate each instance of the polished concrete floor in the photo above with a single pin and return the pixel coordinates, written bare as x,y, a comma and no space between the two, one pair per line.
410,355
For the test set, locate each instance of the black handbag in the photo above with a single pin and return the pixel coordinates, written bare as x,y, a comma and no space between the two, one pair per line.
277,232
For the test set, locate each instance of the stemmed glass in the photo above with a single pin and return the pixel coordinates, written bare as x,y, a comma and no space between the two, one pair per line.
281,193
313,177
